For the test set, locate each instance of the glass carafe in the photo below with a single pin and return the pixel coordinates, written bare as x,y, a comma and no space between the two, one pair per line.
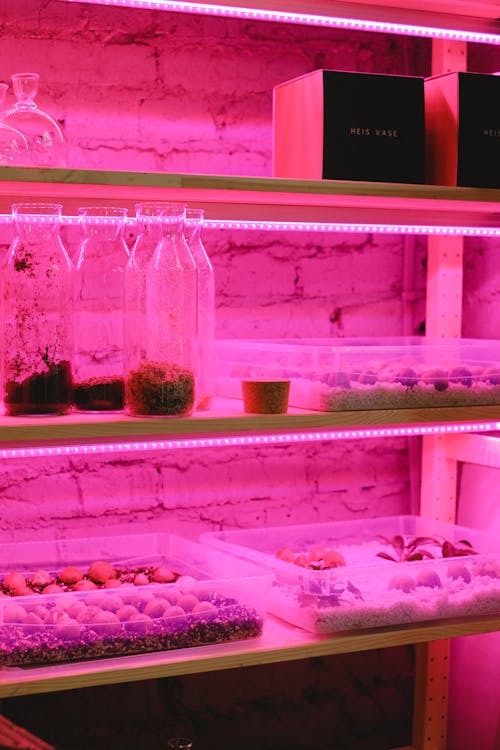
13,144
36,315
205,318
98,310
45,138
161,366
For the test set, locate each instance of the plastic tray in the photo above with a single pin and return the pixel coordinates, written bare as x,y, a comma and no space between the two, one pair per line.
370,590
212,600
377,373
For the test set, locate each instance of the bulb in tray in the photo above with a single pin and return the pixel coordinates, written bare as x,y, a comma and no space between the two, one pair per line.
107,609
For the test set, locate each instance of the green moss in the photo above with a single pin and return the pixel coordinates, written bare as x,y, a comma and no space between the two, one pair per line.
160,389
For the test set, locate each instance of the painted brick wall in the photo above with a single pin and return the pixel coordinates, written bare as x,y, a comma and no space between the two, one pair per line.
164,92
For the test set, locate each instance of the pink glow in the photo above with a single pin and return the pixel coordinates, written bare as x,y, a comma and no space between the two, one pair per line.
309,226
260,14
246,440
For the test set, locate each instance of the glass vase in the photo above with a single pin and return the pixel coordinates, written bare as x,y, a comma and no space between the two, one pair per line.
205,315
44,136
161,365
13,144
36,315
99,309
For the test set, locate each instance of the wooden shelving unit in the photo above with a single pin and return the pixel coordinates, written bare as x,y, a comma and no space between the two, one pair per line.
269,199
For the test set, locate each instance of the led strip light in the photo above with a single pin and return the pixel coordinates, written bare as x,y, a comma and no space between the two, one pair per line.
260,440
309,19
299,226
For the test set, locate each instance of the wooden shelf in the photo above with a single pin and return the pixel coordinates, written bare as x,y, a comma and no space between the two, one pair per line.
466,15
226,417
259,198
280,642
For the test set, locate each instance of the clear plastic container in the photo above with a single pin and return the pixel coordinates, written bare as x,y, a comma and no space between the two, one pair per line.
369,573
74,599
376,373
161,367
45,138
37,326
13,144
99,291
205,309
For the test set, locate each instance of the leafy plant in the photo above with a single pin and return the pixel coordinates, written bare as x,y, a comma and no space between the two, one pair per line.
415,549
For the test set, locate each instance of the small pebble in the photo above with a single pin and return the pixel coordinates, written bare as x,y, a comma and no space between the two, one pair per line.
71,575
403,583
14,613
52,588
14,581
84,585
141,580
163,575
187,602
156,608
41,578
101,571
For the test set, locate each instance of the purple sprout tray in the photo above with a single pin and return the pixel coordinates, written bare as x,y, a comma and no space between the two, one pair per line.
82,599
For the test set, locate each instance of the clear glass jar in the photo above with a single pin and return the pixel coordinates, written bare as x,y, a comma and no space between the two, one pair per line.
99,310
149,234
205,319
13,144
161,365
45,138
36,314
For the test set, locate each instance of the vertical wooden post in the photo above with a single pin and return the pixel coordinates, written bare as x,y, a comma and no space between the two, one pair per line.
448,56
439,473
431,695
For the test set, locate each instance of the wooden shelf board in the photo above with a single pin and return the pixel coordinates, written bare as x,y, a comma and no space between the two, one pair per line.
279,642
259,198
226,417
465,15
445,11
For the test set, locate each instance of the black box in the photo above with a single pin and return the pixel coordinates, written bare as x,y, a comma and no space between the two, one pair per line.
462,112
350,126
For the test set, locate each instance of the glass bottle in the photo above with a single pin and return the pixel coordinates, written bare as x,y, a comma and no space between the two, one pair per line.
98,309
36,314
161,366
45,138
13,144
205,321
149,235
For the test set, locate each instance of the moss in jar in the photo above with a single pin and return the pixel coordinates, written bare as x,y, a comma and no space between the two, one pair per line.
48,392
100,394
160,389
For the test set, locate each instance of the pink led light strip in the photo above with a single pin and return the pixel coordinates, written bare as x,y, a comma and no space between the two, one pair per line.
309,19
307,226
271,439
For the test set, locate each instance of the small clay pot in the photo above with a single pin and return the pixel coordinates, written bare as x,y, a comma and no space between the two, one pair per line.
265,396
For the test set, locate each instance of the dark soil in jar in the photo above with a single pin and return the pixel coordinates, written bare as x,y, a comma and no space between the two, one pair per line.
100,394
160,389
49,392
